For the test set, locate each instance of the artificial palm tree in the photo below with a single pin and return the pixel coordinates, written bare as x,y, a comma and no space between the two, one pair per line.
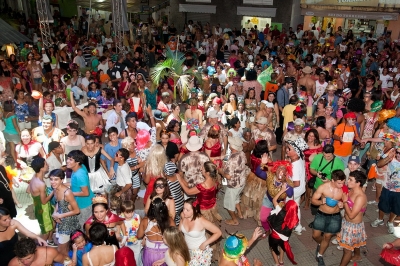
172,67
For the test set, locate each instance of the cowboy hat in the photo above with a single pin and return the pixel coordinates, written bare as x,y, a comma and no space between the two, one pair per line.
194,143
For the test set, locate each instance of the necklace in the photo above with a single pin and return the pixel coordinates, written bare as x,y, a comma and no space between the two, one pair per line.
5,184
1,231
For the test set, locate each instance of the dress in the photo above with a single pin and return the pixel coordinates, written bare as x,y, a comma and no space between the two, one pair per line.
99,181
216,150
307,154
7,249
193,123
68,224
43,214
153,250
21,110
194,239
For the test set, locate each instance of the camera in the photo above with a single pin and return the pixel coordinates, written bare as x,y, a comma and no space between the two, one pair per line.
323,175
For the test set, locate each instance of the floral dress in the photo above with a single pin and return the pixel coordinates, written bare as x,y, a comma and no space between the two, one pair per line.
68,224
21,110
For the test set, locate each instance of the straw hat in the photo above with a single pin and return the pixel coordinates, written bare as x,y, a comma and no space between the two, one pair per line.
194,143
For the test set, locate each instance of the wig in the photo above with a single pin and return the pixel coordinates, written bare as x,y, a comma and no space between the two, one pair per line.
291,218
143,136
394,123
285,164
356,105
155,166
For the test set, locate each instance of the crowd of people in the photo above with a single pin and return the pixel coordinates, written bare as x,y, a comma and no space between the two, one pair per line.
274,119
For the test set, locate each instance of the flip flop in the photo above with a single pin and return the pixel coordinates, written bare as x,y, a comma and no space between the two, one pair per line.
231,223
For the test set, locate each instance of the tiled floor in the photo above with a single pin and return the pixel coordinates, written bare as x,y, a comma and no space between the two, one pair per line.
303,246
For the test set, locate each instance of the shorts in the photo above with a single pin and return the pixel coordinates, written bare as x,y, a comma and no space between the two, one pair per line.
232,197
328,223
389,201
352,235
14,138
37,81
62,239
379,181
267,203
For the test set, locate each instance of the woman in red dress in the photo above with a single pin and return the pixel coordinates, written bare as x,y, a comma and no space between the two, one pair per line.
136,101
124,84
212,146
314,147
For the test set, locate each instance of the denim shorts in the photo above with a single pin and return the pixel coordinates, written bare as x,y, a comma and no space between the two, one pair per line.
37,80
328,223
389,201
267,203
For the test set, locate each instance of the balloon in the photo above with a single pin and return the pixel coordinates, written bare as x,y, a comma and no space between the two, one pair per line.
37,95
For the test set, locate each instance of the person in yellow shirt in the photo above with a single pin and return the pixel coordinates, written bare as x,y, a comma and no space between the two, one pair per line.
287,111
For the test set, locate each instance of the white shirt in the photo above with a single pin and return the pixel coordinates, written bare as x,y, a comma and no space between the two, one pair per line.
124,175
103,67
106,40
299,174
319,90
114,121
385,80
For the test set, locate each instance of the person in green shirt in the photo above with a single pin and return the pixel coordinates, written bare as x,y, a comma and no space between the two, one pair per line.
25,51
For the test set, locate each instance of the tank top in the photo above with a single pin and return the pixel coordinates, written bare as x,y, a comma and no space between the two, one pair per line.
7,249
108,264
194,238
36,72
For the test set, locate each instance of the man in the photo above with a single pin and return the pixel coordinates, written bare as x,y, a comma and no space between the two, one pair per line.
262,132
47,133
29,254
294,151
352,235
236,172
120,65
390,197
79,59
91,119
344,135
327,221
116,118
320,86
55,158
223,135
114,73
299,34
131,129
282,97
80,185
310,85
42,207
191,163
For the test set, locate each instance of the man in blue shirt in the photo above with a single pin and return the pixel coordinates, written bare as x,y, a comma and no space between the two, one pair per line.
282,97
80,185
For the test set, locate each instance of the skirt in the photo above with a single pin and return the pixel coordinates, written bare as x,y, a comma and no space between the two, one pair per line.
352,235
152,254
14,138
200,257
213,216
252,197
99,181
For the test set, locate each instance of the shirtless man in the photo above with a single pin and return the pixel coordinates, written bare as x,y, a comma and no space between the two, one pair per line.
308,82
43,209
291,70
28,254
330,121
206,82
91,119
328,219
131,130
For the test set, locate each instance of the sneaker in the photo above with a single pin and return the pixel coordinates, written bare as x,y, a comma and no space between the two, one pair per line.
390,227
297,232
320,261
377,222
51,244
373,202
334,241
316,252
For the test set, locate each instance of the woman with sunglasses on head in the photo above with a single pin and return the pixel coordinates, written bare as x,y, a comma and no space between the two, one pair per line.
161,190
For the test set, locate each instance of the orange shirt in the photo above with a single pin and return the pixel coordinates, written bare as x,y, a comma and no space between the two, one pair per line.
270,87
348,133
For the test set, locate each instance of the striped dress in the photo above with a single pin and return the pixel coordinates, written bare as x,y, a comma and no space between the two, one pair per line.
135,173
177,194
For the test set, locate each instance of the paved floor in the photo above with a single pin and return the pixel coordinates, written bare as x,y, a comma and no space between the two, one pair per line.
303,246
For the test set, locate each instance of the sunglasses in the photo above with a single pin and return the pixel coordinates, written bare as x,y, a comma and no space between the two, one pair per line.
397,152
159,185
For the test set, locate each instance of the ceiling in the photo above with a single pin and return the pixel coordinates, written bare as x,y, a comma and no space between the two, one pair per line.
132,5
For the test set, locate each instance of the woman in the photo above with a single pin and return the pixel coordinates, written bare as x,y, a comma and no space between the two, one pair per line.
151,230
251,105
54,59
323,133
135,163
101,254
341,110
213,147
230,107
320,108
8,235
175,114
178,251
64,58
11,131
21,109
66,210
113,223
171,148
154,168
136,101
26,83
165,87
194,225
146,140
29,149
72,141
371,124
161,190
56,85
314,147
173,129
124,84
97,169
36,73
193,116
76,80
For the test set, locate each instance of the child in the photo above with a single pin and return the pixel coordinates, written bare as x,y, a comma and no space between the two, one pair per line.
124,175
46,108
175,189
79,245
132,222
60,100
282,222
353,164
94,91
106,99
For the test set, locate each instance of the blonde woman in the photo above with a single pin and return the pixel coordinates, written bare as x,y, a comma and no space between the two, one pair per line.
178,251
154,168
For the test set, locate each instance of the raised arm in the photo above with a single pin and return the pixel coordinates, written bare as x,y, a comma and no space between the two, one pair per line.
76,109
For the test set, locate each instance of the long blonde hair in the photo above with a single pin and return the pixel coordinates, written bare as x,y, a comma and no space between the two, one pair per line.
176,243
155,161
